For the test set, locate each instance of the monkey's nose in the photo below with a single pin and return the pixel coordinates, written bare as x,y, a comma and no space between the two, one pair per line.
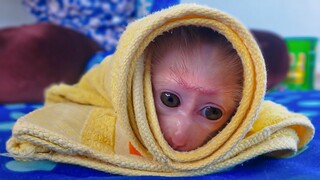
180,136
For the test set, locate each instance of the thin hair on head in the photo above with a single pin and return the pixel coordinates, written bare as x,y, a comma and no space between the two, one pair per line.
186,40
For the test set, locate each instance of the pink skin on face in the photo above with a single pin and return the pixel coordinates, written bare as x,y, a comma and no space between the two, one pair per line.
199,83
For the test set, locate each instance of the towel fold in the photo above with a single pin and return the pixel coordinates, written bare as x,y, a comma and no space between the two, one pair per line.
107,121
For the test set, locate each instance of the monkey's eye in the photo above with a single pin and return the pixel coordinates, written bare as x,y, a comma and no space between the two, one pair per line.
211,113
170,99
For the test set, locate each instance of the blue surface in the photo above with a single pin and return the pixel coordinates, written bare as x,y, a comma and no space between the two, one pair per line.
304,166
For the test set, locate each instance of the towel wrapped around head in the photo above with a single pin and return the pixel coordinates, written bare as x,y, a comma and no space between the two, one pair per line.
108,121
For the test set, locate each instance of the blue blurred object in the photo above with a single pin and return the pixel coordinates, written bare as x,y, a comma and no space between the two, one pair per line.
143,8
304,166
103,21
162,4
97,58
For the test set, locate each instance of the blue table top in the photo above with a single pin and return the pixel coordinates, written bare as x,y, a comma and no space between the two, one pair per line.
303,166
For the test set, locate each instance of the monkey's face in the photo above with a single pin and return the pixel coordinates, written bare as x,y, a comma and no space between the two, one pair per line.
192,96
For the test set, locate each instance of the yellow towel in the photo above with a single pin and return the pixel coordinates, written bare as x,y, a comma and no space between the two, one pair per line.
107,121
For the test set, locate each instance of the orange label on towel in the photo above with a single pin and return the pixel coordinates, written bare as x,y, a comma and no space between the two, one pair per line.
133,150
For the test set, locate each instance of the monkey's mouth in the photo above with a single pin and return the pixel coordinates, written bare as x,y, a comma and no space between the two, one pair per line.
182,147
179,147
188,145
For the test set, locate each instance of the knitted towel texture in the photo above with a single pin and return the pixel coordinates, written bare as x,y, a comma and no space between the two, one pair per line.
107,121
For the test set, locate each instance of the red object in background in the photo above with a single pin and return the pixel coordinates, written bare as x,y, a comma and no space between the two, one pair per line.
32,57
276,56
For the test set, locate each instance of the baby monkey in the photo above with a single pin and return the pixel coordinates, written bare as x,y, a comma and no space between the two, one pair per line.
197,84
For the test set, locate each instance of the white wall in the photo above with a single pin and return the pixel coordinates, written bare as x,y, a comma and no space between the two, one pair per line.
13,13
288,18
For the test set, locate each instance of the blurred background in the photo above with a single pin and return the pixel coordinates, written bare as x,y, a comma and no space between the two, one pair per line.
44,42
296,22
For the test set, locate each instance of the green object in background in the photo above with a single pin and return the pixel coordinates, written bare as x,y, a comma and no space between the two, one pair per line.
302,52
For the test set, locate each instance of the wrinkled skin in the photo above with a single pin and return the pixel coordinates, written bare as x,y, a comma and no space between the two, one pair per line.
198,81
